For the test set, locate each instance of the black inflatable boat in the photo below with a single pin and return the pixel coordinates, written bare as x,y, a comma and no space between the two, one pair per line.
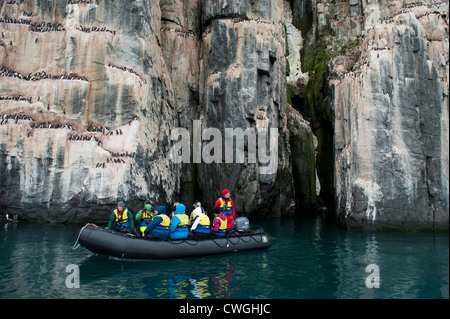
109,242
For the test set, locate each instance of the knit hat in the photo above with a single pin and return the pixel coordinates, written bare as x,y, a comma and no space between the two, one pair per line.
121,204
148,207
198,204
225,191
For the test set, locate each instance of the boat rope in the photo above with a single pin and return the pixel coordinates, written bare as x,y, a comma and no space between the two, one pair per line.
238,240
226,244
245,241
192,244
255,239
75,246
251,236
183,240
175,241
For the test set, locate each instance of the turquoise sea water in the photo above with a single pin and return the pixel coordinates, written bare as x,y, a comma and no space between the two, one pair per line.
310,260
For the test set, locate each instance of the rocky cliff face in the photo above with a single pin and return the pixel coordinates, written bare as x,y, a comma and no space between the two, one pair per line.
378,82
87,108
391,118
243,87
91,93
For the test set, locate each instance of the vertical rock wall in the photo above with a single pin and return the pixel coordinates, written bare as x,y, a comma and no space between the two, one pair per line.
391,119
93,127
243,87
180,45
91,91
378,74
227,64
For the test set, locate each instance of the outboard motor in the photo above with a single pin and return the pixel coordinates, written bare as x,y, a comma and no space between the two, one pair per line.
241,224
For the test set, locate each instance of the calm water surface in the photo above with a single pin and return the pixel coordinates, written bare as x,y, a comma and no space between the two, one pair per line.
310,260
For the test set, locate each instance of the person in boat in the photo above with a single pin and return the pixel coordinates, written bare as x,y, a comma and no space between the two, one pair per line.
178,225
159,226
219,223
226,205
121,219
199,221
144,216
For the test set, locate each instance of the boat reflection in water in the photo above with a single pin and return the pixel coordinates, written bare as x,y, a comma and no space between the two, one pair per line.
181,286
191,278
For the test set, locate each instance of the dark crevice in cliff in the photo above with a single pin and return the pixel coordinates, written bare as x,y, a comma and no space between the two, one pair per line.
316,108
182,28
170,21
209,21
302,17
313,103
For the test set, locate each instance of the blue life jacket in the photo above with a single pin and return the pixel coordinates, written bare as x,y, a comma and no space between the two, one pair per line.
162,229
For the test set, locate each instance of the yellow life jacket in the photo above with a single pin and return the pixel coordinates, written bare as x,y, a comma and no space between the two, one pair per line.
184,219
223,224
225,206
122,218
205,220
165,221
146,217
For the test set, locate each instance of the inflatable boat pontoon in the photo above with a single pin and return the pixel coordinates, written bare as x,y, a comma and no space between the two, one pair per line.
109,242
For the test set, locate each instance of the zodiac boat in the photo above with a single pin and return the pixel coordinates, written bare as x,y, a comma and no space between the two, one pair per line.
113,243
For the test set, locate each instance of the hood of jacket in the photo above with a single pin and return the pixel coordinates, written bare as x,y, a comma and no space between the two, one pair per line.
222,217
179,209
160,209
198,211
